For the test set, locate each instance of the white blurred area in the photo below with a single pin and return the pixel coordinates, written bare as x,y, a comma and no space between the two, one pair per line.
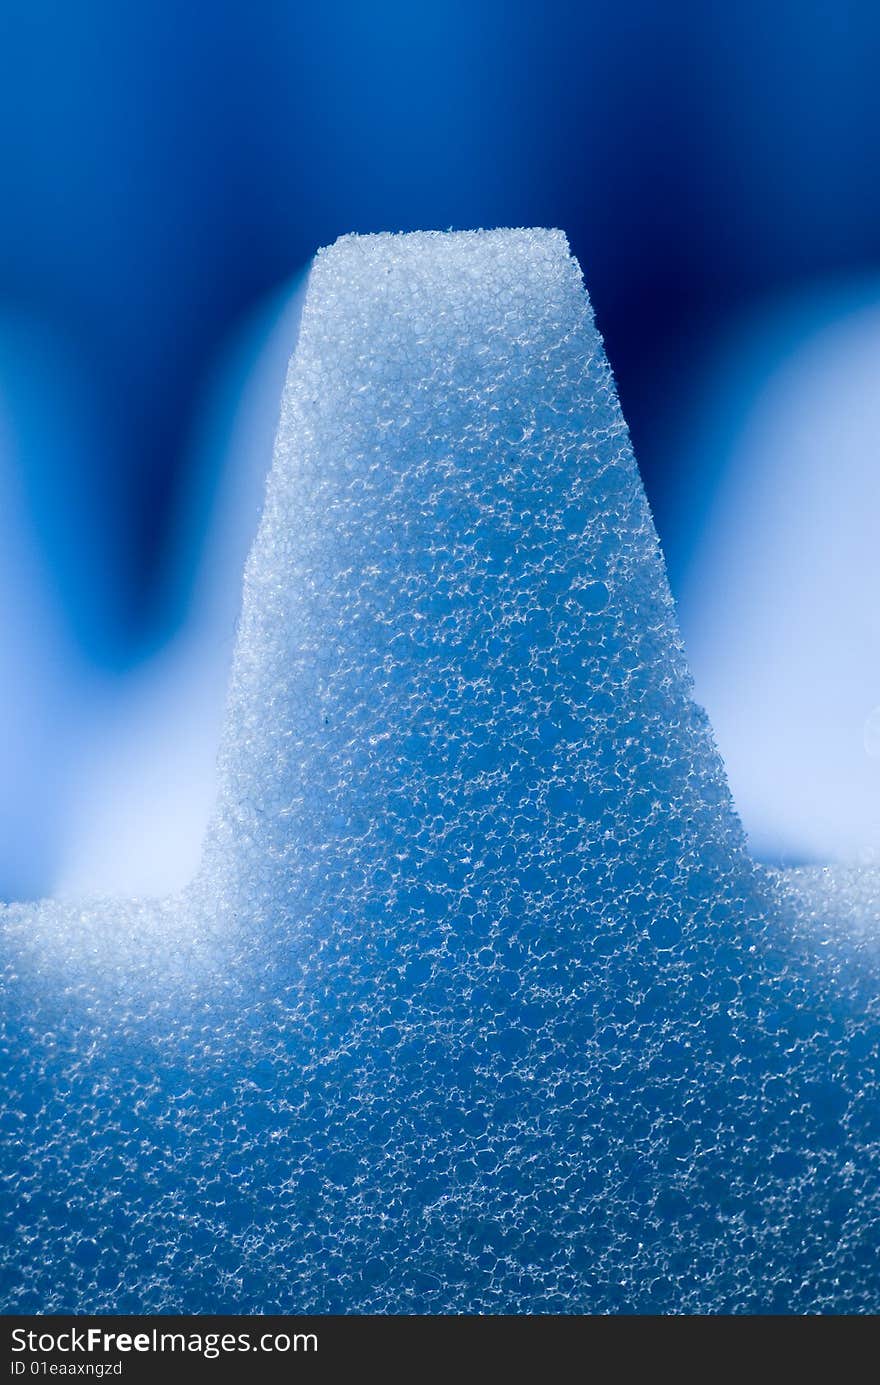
107,779
146,779
780,607
44,407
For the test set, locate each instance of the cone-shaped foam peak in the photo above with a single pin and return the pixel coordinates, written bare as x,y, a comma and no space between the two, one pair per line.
458,674
478,1004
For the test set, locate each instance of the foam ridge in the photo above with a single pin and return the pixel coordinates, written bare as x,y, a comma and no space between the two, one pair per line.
478,1003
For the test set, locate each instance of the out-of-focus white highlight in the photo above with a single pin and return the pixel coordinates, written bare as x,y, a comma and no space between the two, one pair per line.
781,606
43,410
146,780
108,777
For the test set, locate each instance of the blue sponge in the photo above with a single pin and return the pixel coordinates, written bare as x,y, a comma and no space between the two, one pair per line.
478,1003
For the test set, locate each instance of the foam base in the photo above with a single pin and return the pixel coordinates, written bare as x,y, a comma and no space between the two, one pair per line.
478,1003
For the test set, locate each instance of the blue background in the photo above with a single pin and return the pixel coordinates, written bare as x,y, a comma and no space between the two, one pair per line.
167,168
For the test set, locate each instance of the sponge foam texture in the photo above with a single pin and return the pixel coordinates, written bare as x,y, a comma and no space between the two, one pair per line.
455,613
478,1004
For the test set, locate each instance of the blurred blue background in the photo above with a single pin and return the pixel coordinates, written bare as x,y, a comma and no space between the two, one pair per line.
169,169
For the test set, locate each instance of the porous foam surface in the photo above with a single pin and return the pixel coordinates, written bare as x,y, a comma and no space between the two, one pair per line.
478,1004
